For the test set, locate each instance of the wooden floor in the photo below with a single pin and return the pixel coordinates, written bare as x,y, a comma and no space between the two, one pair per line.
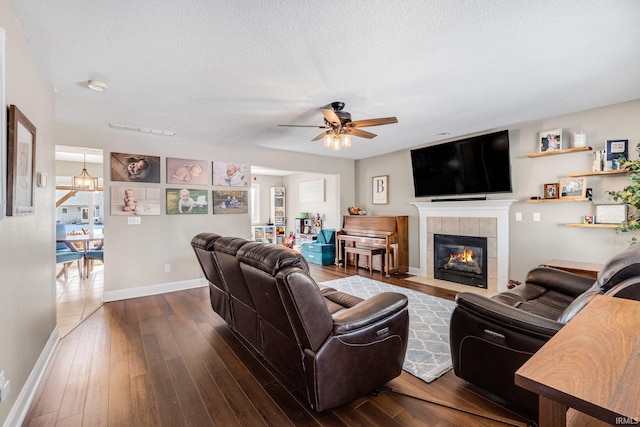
78,297
169,360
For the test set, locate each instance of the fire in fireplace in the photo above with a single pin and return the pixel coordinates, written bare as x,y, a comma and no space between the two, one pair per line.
461,259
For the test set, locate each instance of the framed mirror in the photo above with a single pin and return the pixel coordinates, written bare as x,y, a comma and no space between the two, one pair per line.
21,160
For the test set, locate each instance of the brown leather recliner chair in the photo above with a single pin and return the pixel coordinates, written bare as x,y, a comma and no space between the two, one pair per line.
492,337
330,346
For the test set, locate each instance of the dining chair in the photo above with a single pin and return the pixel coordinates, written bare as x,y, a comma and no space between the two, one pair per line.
64,255
91,255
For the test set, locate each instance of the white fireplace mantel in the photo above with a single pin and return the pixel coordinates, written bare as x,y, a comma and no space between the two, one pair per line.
498,209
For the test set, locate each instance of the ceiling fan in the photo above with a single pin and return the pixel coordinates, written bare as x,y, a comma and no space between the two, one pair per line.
341,128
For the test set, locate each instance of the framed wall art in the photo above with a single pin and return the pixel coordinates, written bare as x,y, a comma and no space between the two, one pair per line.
130,201
380,190
611,214
187,201
135,168
230,201
550,140
21,160
230,174
187,171
575,188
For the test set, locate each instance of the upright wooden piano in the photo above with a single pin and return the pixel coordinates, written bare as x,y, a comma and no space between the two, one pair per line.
388,232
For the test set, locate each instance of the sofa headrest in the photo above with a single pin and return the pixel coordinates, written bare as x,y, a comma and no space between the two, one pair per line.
204,241
622,266
271,258
229,245
579,303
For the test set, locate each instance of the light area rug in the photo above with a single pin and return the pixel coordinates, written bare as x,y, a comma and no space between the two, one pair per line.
428,352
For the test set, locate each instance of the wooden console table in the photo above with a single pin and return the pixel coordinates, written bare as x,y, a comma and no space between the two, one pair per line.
585,269
592,365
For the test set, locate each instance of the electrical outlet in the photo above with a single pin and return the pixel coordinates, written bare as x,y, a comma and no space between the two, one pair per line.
167,268
4,390
518,216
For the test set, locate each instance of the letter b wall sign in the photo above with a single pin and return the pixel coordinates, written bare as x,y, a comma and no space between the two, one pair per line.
380,190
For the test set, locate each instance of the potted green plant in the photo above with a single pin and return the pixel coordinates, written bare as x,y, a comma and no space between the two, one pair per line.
629,195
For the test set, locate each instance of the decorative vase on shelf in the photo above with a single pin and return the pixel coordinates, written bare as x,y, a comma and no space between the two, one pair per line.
579,139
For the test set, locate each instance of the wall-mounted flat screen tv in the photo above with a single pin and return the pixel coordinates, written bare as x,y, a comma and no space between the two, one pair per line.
476,165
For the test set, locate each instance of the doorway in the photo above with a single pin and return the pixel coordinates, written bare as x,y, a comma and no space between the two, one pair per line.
79,292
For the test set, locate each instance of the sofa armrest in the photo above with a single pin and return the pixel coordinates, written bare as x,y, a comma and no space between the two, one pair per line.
369,311
559,280
507,316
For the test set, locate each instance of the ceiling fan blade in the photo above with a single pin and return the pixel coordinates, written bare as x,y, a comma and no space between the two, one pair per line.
319,137
331,116
372,122
306,126
362,133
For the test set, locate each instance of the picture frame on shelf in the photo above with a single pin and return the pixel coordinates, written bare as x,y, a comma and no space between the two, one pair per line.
574,188
611,214
550,140
552,191
614,150
380,190
21,161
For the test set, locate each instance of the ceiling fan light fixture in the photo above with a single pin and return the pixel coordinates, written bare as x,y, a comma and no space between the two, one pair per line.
328,139
97,85
336,143
345,140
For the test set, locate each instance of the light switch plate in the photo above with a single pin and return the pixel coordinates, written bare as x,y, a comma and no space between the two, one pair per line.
536,216
134,220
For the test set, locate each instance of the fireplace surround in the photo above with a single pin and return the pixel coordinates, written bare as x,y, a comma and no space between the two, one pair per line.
486,218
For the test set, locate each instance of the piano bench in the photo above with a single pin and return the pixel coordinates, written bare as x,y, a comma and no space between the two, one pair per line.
362,250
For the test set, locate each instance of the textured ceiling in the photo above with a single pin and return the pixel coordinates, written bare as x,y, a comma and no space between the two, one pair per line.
230,71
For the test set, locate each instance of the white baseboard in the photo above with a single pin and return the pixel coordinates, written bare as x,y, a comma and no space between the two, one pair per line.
160,288
414,271
23,402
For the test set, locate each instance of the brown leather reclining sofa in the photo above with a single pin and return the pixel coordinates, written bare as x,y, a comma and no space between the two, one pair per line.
330,346
492,337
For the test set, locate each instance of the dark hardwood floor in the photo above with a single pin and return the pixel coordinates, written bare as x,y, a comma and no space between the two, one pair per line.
169,360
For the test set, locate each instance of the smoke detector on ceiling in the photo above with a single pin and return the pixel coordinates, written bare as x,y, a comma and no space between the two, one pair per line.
97,85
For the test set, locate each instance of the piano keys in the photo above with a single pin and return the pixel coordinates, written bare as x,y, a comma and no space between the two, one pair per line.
388,232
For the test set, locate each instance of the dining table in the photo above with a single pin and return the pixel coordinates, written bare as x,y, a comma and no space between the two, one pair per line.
72,240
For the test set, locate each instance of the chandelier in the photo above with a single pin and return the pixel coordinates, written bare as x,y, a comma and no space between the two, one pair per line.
337,138
84,181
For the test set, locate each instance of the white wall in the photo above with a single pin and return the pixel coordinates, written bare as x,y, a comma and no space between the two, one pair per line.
27,243
135,255
330,209
531,242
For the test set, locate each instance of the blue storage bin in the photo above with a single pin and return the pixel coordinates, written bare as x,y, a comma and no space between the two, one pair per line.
327,236
319,253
